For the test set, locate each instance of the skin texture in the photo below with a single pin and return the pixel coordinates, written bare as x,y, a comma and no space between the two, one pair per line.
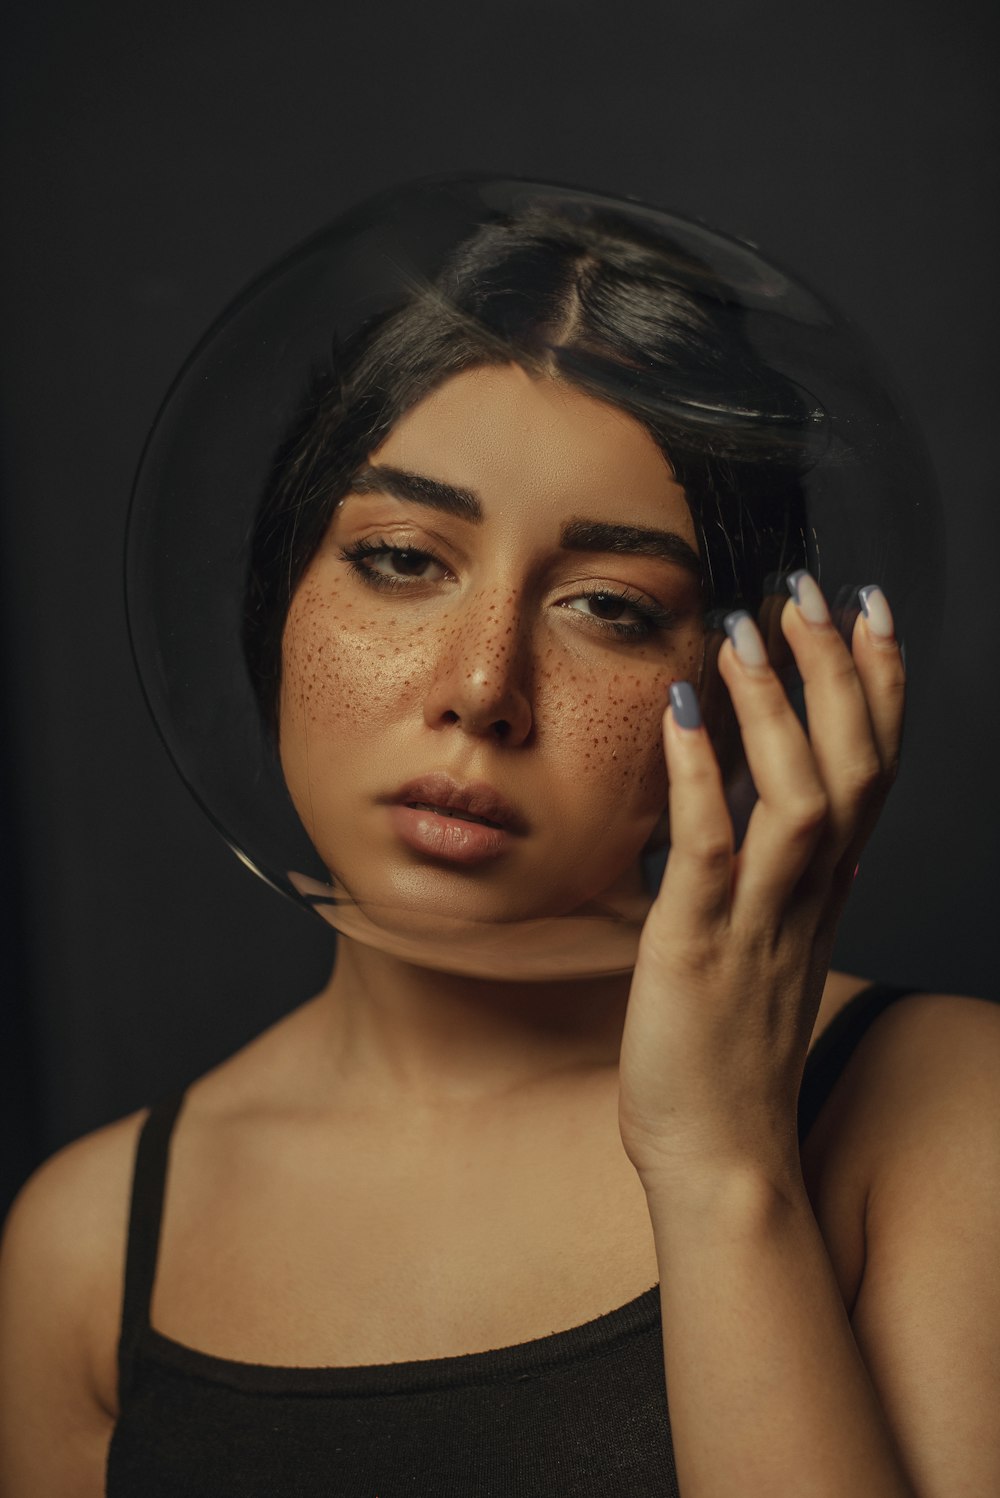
415,1164
492,665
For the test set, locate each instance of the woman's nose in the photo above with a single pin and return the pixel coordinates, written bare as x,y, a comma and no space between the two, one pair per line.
483,678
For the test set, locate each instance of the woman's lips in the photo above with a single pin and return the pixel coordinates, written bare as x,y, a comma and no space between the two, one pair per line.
478,801
450,837
460,823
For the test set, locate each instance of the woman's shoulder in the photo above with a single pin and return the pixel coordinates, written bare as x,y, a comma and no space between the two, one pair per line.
921,1079
66,1230
929,1065
920,1037
61,1279
75,1201
65,1240
916,1154
65,1236
909,1121
77,1184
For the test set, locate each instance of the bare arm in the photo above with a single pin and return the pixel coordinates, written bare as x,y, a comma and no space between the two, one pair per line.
60,1287
772,1388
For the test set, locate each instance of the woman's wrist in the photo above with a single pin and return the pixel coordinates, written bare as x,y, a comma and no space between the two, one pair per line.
749,1194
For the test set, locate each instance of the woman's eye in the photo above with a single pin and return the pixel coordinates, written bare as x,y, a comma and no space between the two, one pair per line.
381,565
607,610
606,606
404,562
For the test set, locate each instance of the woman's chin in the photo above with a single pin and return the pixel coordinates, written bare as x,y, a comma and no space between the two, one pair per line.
593,940
482,933
424,900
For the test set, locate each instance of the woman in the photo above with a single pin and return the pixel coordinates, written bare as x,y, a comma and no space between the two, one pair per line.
443,1233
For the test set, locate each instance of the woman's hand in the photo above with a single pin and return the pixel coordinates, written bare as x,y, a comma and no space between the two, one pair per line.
736,948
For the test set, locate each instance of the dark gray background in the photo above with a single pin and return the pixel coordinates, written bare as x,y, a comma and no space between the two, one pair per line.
156,159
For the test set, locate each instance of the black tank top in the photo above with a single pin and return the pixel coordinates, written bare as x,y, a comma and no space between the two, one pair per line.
581,1412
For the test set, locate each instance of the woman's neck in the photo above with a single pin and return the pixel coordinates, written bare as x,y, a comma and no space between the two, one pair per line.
435,1040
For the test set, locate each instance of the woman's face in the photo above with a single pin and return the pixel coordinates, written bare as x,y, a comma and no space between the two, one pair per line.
504,597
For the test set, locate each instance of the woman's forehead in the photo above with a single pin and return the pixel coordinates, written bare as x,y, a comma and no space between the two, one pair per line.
537,449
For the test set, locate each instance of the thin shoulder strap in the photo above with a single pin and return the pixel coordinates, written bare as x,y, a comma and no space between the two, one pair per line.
837,1044
149,1180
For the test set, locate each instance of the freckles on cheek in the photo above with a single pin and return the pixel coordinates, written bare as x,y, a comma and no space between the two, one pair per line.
611,726
339,670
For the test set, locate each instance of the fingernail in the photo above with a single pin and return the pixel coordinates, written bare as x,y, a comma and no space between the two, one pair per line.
805,590
746,638
876,610
684,705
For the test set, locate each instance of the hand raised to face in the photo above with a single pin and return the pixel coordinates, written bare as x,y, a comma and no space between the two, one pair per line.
736,948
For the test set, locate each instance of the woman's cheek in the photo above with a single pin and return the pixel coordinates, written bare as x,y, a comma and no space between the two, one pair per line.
341,672
614,733
611,742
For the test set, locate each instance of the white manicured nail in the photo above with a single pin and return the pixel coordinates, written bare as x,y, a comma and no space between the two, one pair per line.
746,638
806,592
878,615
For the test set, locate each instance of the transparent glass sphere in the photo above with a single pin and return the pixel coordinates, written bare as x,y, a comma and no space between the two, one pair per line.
770,411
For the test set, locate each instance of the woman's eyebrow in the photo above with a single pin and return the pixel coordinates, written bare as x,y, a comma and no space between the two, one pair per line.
630,540
421,490
576,534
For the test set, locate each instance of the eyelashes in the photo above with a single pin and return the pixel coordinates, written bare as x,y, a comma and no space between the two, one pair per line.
651,618
357,553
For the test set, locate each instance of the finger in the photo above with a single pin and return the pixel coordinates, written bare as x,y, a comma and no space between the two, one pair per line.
879,663
790,815
841,706
694,893
769,624
716,708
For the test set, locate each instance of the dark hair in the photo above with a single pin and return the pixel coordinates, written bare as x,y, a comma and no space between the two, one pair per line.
594,298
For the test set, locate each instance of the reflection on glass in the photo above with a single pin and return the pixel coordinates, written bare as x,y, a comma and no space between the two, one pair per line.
473,477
